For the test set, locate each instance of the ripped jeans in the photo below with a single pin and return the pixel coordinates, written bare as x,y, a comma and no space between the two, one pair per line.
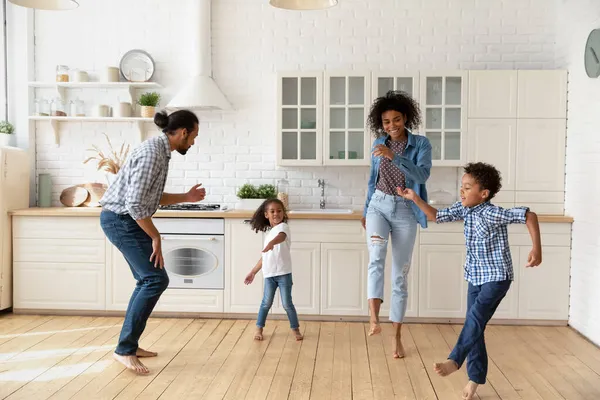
390,216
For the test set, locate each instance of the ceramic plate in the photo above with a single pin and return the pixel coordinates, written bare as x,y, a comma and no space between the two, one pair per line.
137,66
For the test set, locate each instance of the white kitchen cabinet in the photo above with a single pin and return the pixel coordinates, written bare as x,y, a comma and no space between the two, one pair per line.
120,282
344,279
299,118
542,94
494,141
509,306
412,309
544,290
383,82
442,288
306,274
190,300
243,249
347,99
540,155
443,101
493,94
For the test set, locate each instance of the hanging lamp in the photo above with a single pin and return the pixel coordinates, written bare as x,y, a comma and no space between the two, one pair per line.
47,4
303,4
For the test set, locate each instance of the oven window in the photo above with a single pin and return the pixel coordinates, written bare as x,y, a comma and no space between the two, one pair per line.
190,261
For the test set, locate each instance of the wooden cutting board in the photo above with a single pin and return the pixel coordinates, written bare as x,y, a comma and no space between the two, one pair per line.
95,193
74,196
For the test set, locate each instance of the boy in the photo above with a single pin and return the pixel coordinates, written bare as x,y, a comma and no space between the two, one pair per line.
488,267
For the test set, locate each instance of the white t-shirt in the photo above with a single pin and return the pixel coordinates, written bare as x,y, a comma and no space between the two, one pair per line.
278,261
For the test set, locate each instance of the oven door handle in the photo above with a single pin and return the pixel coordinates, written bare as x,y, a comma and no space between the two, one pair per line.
206,238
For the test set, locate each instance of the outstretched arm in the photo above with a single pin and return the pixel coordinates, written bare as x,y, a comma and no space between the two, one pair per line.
410,194
250,277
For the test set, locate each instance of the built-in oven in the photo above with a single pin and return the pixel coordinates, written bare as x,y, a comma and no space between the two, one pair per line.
194,251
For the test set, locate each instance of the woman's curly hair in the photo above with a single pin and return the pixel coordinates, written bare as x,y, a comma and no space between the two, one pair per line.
486,175
260,223
398,101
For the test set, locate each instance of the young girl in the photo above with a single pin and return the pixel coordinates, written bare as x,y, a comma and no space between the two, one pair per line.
276,263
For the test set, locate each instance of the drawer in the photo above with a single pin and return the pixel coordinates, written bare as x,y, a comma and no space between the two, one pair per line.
191,300
59,250
330,231
57,227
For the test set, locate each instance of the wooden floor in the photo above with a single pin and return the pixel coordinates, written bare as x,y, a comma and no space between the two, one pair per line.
44,357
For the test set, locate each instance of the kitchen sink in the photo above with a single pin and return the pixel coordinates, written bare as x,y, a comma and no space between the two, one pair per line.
321,211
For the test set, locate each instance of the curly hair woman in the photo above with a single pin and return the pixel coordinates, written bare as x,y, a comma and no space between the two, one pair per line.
399,159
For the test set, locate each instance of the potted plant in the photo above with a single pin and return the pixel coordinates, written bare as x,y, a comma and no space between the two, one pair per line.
112,163
251,197
148,101
6,129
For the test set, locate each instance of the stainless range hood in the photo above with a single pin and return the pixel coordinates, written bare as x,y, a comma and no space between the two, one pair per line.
200,90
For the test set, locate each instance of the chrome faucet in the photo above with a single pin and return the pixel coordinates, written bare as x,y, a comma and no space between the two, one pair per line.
322,186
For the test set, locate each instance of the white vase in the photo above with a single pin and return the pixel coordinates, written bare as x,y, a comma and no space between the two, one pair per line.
4,139
248,204
110,178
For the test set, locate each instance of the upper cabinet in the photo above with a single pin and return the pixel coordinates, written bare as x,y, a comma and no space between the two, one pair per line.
492,94
347,99
299,118
386,81
443,98
542,94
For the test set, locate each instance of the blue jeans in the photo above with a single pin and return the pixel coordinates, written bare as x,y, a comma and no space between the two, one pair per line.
482,303
284,283
136,246
393,216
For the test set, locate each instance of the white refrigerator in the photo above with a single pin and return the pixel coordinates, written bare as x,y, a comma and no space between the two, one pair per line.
14,194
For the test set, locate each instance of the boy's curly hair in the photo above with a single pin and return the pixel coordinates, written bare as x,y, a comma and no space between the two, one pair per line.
398,101
260,223
486,175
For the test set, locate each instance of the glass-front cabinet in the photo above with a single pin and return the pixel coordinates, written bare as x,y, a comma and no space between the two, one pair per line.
347,100
443,100
299,118
404,82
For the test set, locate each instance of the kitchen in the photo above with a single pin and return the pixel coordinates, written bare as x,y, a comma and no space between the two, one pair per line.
296,86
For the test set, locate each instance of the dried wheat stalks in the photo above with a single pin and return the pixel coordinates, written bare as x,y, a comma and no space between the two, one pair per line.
111,163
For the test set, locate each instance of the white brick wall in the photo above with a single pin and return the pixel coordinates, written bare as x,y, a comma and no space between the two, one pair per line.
578,18
251,41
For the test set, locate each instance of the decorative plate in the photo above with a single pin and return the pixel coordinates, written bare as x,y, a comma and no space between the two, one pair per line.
137,66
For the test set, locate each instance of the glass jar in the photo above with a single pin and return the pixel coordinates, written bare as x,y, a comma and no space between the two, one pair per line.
62,73
42,108
76,108
282,192
58,108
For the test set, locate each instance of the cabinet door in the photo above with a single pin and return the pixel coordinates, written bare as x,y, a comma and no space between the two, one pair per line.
442,287
344,279
242,250
299,118
120,282
412,309
544,290
492,94
542,94
541,154
386,81
346,138
509,306
444,104
494,141
306,266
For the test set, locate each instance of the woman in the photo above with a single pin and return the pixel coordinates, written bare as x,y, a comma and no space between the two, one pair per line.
399,160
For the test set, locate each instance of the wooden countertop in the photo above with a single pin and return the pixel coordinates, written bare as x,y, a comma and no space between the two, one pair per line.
95,212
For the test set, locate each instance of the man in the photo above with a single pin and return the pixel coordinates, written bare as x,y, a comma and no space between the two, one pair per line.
126,219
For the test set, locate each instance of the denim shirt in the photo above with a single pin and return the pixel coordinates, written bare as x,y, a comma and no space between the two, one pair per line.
416,166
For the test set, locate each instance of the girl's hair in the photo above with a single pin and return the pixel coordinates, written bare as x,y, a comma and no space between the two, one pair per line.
261,223
397,101
177,120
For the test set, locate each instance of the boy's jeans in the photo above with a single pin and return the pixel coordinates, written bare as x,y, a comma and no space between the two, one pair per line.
284,283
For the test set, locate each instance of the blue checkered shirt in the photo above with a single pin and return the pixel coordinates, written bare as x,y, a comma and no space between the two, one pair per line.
486,236
139,185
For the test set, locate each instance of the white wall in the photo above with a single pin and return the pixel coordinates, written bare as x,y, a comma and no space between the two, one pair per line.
577,19
251,41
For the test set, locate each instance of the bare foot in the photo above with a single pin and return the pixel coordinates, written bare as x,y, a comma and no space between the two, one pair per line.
399,349
445,368
258,334
375,328
145,353
132,363
469,390
297,334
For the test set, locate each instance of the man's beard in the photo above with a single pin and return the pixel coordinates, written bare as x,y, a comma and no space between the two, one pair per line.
182,151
